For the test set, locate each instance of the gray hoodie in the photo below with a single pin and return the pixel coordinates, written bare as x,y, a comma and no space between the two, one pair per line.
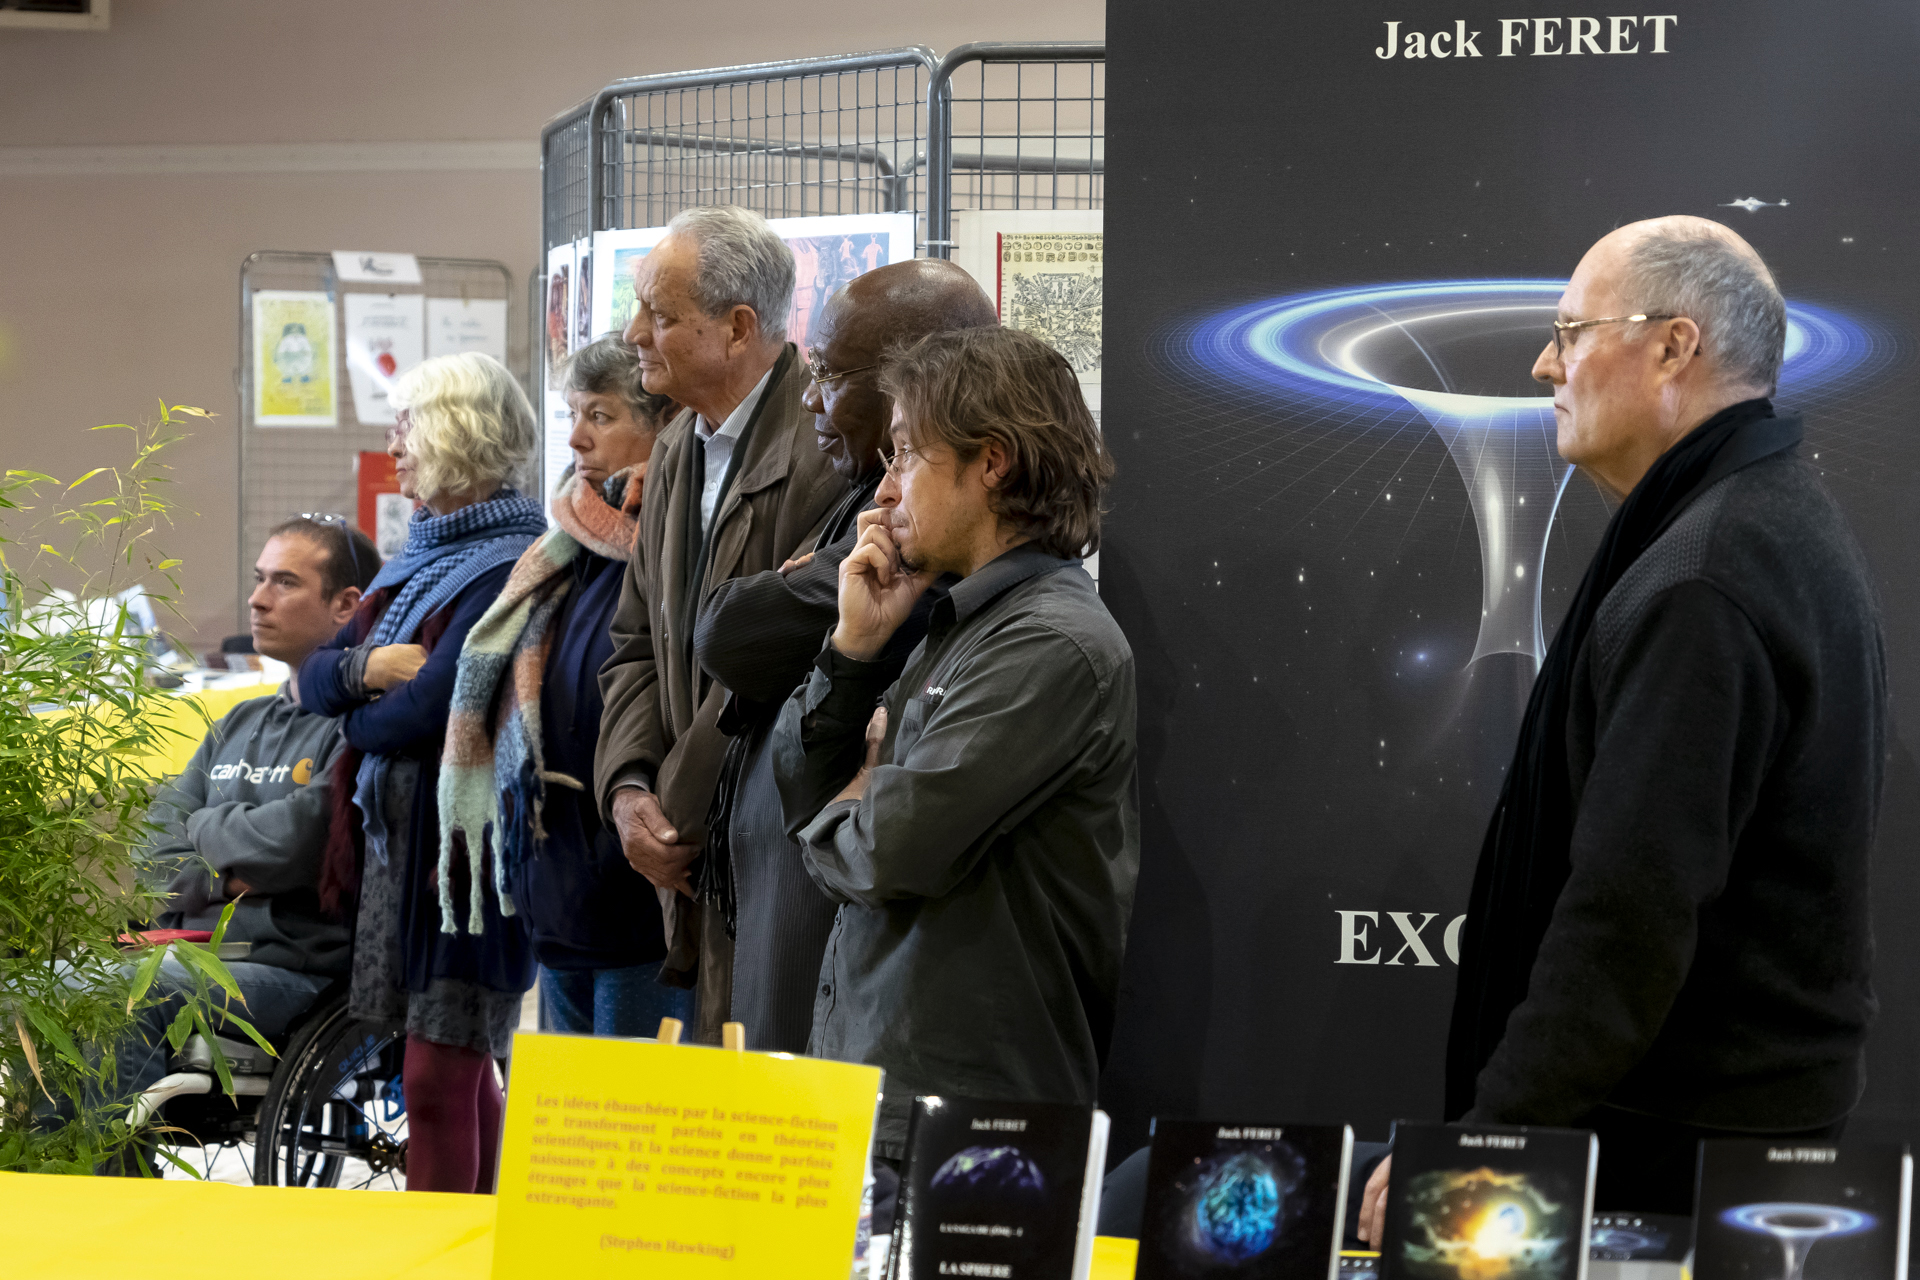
253,804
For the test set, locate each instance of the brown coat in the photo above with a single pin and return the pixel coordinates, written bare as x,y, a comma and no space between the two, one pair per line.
662,711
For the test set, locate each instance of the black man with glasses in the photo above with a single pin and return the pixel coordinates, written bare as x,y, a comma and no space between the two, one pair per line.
1668,936
758,635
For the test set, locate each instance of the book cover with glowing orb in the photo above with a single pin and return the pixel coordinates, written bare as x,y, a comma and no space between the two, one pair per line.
1482,1203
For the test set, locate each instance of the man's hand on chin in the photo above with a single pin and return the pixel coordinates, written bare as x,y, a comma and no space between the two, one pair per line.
650,842
877,591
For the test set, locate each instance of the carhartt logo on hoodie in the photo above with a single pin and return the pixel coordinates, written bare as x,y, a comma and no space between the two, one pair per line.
301,773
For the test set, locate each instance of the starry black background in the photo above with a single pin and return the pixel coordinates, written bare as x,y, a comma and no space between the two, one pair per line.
1302,592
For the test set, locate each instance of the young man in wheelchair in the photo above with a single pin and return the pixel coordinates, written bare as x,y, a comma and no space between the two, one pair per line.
246,822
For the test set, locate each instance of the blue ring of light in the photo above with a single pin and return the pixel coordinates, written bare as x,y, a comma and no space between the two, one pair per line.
1274,345
1749,1217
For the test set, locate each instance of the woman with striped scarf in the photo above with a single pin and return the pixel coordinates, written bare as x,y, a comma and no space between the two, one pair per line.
526,716
465,430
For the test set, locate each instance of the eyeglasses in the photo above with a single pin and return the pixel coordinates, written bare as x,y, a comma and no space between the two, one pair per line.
1563,327
346,533
820,378
894,463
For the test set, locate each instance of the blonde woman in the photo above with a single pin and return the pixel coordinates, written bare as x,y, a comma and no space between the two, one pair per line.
465,431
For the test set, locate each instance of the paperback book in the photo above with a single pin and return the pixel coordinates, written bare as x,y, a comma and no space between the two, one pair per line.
1004,1190
1640,1237
1239,1200
1802,1211
1484,1203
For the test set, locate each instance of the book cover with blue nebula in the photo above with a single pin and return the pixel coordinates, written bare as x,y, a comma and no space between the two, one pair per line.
1241,1201
1489,1203
1007,1190
1802,1211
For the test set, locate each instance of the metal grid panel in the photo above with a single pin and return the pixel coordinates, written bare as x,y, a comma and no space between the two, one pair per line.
1018,126
564,181
812,136
287,470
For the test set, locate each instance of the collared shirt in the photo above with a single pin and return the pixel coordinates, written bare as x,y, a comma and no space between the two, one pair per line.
717,446
985,879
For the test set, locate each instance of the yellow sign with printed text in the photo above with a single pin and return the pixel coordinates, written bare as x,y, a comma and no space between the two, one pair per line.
629,1158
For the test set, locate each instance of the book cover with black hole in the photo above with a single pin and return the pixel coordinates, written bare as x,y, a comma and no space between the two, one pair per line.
1802,1211
1640,1237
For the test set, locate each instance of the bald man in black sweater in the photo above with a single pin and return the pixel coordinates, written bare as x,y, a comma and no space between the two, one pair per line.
1669,936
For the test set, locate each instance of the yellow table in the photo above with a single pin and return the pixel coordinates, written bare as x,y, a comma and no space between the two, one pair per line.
180,714
114,1228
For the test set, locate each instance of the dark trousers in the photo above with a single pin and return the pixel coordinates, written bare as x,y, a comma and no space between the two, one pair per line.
1648,1165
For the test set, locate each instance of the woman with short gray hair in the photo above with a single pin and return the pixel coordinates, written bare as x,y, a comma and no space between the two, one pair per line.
465,431
526,716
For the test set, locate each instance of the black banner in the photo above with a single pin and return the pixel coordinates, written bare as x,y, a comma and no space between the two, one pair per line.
1341,536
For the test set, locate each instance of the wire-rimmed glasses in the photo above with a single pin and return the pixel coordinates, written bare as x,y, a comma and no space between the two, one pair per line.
1564,327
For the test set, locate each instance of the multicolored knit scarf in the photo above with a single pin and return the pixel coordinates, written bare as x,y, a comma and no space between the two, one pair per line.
491,772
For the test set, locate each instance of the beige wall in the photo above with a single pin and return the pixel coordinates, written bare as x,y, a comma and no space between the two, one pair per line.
119,288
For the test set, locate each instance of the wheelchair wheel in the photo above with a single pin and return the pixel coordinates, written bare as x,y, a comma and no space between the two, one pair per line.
335,1114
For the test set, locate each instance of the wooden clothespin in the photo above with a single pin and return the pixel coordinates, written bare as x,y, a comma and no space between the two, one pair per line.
733,1035
670,1029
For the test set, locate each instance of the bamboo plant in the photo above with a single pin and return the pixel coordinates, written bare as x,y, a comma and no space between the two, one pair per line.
81,730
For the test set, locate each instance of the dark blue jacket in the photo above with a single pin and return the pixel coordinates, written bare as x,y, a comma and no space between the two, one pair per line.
589,908
410,722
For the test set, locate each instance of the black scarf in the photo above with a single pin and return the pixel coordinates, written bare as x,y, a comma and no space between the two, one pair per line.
1524,860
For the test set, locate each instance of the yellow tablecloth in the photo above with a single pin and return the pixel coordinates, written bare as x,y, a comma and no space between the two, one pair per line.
116,1228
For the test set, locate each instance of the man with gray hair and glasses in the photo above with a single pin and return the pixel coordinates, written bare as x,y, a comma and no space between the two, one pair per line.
735,486
1668,937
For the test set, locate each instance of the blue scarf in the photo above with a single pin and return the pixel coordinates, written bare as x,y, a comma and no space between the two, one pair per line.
442,555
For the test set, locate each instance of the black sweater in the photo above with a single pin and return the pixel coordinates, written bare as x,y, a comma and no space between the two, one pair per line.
1708,959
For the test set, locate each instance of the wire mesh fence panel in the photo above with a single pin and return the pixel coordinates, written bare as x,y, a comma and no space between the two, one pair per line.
290,470
565,147
1019,127
814,136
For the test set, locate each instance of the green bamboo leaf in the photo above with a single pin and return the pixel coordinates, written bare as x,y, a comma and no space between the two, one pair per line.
220,929
52,1030
88,476
198,957
178,1163
181,1026
220,1067
231,1019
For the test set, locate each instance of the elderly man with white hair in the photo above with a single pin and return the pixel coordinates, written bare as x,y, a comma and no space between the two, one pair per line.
1669,936
735,486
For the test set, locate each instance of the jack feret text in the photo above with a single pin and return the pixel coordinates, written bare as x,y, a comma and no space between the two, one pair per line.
1535,38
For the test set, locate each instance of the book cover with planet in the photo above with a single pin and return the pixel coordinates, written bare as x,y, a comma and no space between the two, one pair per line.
1487,1203
1802,1211
1001,1189
1231,1200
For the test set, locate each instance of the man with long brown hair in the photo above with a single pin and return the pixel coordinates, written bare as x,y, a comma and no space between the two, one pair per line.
984,854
